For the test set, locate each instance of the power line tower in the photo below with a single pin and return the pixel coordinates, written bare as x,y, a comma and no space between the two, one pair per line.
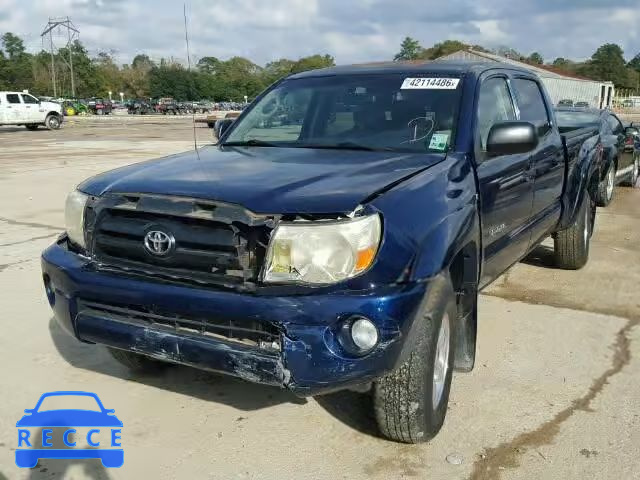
72,33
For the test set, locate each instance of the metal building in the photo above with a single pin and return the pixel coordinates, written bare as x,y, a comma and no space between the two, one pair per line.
561,86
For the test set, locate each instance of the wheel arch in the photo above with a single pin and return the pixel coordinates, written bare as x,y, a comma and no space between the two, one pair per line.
584,178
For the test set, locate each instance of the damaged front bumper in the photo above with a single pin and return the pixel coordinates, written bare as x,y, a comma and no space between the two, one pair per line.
308,358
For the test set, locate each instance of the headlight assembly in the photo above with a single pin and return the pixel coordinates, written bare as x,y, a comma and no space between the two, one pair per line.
322,252
74,217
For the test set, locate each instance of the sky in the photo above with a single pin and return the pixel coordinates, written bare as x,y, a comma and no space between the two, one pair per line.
350,30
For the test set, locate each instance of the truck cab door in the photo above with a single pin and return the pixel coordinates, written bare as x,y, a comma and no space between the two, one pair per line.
32,108
547,160
15,111
505,187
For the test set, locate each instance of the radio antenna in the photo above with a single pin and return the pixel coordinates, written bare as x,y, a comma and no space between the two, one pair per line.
193,111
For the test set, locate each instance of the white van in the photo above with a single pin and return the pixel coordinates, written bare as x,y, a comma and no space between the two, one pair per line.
20,108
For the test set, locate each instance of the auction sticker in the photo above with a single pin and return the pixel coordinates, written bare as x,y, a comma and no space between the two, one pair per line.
439,141
426,83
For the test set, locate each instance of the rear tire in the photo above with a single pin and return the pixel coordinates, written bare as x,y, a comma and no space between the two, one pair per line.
606,187
410,403
572,244
632,179
136,362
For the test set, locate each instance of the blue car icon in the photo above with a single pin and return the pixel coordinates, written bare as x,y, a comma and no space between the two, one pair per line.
105,418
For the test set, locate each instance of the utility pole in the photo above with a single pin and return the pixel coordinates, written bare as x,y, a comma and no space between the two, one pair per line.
53,66
72,34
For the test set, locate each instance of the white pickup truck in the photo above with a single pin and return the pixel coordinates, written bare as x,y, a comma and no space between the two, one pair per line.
21,108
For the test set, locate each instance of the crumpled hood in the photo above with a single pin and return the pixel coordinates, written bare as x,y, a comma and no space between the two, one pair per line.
268,179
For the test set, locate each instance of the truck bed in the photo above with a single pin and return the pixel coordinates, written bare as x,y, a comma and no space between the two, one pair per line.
574,138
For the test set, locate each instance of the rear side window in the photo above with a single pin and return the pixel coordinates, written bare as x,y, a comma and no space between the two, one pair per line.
494,106
13,98
531,104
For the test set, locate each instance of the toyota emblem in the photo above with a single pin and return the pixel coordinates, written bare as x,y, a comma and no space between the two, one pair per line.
159,243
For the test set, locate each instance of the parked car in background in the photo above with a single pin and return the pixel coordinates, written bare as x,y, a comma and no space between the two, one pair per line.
139,107
203,107
167,106
633,144
581,104
185,108
618,163
343,251
565,103
99,106
21,108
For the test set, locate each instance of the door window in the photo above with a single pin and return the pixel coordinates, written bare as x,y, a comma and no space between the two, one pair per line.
494,106
29,99
531,104
13,98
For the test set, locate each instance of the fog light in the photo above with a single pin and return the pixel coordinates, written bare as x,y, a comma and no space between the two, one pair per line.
364,334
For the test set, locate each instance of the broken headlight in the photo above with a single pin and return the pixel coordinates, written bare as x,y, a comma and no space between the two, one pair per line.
74,217
322,252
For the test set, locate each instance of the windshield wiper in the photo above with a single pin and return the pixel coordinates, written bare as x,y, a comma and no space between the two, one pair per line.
347,146
250,143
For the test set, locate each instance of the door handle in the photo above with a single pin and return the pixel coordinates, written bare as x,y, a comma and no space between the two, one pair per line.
28,106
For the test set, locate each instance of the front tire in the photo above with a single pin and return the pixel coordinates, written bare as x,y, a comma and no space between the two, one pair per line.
572,244
606,187
410,403
136,362
52,122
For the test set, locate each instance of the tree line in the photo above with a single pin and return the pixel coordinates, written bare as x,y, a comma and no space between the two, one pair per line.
607,62
232,79
211,78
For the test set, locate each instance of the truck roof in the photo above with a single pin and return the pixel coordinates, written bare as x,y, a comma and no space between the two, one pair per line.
446,67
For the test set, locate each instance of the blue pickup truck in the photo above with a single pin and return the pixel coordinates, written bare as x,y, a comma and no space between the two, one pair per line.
336,237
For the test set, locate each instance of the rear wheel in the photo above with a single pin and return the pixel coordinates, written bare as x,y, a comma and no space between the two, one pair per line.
52,122
606,186
136,362
411,403
572,244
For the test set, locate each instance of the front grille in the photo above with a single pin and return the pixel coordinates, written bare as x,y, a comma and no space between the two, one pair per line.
248,332
214,244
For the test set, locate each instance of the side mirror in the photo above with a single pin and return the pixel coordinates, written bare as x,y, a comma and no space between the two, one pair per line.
221,126
509,138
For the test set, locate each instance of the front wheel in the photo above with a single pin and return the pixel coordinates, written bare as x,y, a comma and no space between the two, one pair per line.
52,122
411,403
572,244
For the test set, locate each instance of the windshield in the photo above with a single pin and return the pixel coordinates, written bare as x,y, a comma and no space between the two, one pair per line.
373,112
